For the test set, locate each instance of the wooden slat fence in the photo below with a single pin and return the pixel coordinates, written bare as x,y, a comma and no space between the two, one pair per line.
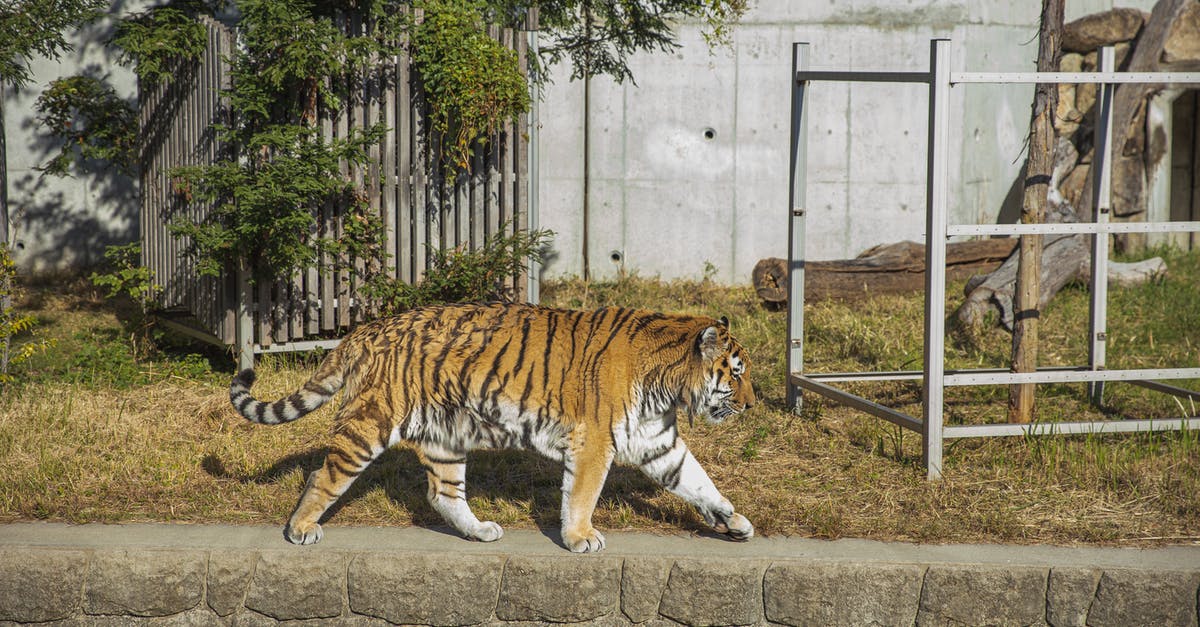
178,128
421,209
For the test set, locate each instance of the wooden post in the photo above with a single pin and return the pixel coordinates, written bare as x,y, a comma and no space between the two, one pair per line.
1038,170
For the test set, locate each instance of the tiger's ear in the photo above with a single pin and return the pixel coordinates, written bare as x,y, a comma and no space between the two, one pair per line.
709,343
724,322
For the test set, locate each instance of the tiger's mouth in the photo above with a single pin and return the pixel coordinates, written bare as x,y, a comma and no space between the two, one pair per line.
718,413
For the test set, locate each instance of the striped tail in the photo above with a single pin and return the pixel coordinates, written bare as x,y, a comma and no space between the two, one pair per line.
317,391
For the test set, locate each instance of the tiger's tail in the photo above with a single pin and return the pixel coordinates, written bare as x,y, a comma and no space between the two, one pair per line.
325,382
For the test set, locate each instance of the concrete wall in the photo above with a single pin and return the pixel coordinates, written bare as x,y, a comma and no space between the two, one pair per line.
61,222
689,166
202,575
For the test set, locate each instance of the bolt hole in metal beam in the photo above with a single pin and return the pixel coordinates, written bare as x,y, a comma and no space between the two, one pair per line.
710,133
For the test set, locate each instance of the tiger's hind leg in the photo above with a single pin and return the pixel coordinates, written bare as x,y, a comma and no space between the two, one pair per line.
447,475
360,438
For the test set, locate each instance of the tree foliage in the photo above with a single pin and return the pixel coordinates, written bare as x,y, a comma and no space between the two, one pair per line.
263,198
38,27
152,42
473,82
459,275
295,61
92,121
13,323
599,36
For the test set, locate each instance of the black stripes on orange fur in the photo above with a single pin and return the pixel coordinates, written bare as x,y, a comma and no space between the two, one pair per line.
568,384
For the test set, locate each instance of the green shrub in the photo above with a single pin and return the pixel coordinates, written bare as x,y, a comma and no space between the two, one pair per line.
14,324
459,275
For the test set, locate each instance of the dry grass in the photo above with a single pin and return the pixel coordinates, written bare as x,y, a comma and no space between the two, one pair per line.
157,441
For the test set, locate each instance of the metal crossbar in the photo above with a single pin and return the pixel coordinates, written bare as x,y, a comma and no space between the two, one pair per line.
933,375
1073,228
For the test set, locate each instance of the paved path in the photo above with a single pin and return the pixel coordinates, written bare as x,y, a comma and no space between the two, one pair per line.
620,544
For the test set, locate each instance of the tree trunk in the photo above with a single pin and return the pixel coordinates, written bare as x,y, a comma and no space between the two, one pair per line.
1038,173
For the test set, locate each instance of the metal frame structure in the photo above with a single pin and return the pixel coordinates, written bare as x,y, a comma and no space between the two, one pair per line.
934,376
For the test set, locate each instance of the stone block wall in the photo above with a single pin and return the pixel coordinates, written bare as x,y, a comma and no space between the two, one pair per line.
265,587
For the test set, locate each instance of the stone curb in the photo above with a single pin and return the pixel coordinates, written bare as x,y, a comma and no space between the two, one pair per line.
691,581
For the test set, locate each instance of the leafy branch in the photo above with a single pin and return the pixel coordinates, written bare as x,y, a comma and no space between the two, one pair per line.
13,323
92,121
461,275
473,83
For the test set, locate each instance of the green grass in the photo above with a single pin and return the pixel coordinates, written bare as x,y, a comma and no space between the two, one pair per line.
97,429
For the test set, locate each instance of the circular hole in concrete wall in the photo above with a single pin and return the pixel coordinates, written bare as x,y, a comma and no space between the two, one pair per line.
710,133
616,256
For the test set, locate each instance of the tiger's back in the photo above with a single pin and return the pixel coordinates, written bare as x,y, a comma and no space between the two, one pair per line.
581,387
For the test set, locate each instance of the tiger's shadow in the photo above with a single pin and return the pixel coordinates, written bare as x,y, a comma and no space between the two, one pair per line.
500,479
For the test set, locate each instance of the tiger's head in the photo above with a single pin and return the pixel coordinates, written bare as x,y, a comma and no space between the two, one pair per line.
723,386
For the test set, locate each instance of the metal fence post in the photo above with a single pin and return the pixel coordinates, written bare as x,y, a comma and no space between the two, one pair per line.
1101,208
935,254
535,267
796,223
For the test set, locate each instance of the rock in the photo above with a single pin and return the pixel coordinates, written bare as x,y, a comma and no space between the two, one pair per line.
1135,597
40,585
983,595
1069,596
1072,184
228,579
1085,100
144,583
559,589
1101,29
1128,185
842,593
1183,39
642,583
1065,158
712,592
293,585
1071,62
1067,117
1085,93
425,588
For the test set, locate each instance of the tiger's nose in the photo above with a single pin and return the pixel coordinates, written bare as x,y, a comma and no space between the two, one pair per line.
748,399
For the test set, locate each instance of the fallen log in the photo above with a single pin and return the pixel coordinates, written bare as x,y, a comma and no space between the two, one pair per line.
1065,259
887,269
988,265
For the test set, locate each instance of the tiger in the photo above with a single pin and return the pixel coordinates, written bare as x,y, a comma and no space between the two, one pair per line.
583,388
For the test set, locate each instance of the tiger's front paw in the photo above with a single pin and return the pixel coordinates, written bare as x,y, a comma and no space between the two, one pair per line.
303,534
486,531
585,541
737,528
